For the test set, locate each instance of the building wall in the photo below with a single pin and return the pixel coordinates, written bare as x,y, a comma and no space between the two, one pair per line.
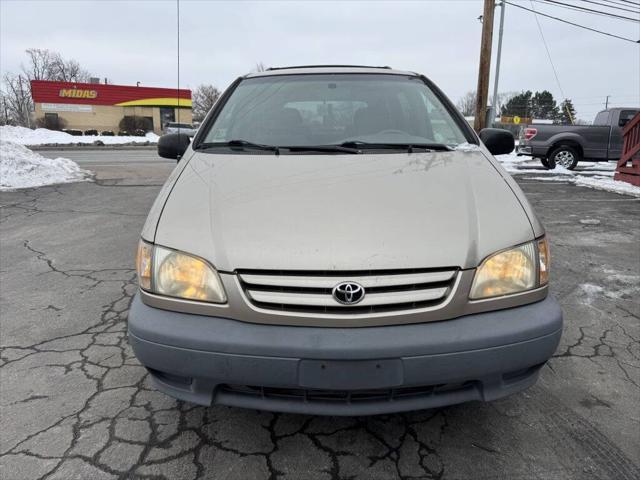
107,117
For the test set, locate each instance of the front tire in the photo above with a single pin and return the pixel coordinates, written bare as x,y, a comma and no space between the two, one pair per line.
565,156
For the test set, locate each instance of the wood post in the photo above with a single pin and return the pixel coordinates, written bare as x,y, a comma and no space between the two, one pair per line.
482,93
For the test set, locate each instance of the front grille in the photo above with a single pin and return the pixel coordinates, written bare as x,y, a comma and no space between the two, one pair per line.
347,396
311,291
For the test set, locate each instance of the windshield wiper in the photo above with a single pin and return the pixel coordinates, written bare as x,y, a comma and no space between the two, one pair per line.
293,148
322,148
240,144
441,147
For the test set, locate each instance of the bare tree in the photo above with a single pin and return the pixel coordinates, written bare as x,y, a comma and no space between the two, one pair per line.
18,104
467,104
501,100
259,67
68,70
47,65
41,64
204,97
5,117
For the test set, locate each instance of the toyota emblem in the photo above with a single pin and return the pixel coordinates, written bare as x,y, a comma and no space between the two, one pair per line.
348,293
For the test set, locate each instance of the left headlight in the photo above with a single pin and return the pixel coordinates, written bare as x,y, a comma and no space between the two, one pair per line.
511,271
178,274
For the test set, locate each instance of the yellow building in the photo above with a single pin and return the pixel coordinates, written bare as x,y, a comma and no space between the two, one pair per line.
96,106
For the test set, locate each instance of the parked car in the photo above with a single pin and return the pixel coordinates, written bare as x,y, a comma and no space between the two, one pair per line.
566,145
338,240
186,128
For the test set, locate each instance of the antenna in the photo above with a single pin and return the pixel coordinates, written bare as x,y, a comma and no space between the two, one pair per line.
178,34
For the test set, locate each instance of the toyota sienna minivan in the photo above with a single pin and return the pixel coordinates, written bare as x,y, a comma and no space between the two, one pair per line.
337,240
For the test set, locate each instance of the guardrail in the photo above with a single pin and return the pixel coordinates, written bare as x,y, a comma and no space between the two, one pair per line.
630,153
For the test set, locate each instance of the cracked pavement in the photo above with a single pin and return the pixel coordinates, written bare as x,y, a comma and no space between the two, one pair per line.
76,404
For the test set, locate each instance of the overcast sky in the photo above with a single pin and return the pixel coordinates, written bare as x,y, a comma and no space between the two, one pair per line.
136,41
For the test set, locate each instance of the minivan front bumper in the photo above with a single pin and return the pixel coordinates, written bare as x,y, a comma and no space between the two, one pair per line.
344,371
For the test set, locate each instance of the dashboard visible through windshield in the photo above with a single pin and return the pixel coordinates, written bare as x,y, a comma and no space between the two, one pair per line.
333,109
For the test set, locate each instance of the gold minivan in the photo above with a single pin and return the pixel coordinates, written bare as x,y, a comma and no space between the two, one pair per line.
337,240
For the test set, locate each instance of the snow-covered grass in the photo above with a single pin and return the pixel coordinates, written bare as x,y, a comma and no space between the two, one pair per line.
42,136
598,175
23,168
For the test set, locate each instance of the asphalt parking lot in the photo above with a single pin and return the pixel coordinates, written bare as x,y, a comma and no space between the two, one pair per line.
77,405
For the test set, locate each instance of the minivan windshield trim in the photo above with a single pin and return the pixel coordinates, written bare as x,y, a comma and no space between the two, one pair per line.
455,115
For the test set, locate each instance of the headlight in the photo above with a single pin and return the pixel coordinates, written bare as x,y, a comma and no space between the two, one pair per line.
178,274
512,271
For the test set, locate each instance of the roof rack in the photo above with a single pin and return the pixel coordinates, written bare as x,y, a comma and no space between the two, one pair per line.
326,66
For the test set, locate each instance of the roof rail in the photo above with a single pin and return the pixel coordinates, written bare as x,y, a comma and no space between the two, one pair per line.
326,66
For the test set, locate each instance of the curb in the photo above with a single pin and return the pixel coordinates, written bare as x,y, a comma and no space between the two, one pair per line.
89,146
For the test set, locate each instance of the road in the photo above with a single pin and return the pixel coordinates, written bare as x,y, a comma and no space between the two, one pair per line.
135,166
76,404
107,155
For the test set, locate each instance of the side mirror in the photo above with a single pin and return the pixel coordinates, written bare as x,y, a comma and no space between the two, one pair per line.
173,145
497,141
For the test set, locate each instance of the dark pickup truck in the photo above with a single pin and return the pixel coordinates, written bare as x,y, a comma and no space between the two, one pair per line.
566,145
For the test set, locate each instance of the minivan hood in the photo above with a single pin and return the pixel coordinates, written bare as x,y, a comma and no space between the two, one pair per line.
342,212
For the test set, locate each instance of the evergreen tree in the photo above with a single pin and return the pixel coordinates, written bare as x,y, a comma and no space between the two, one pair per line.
518,105
567,112
544,106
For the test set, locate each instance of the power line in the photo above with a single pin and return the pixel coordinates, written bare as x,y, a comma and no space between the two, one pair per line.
546,47
587,10
623,2
574,24
612,5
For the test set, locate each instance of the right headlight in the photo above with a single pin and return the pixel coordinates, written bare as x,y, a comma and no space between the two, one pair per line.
178,274
511,271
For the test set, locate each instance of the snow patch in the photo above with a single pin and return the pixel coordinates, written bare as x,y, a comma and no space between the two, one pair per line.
598,175
591,291
608,184
467,147
590,221
42,136
22,168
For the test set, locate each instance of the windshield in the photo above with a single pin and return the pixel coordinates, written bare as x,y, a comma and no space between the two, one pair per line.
306,110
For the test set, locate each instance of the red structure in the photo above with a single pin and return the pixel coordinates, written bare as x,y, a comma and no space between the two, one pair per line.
630,153
101,94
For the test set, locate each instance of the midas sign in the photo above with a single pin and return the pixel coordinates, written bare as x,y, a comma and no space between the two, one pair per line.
77,93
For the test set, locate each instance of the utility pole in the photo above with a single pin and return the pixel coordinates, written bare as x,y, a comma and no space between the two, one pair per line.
606,102
493,111
485,65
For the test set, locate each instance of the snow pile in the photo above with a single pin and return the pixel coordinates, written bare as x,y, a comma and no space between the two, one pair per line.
608,184
598,175
22,168
42,136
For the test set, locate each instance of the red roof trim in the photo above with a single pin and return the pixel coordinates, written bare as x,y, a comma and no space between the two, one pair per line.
44,91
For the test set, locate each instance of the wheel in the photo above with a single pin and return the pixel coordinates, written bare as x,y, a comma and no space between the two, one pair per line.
565,156
545,163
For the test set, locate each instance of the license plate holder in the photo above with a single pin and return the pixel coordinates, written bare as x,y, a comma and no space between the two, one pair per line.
350,374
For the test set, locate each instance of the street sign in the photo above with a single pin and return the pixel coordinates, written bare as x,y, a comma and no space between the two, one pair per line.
516,120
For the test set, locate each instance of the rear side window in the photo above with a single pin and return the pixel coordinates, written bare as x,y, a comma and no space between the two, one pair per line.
602,118
626,116
328,109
